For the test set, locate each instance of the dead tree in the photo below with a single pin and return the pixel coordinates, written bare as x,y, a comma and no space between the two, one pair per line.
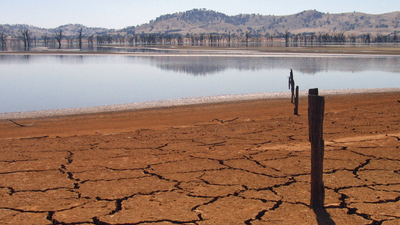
80,37
90,39
26,38
45,39
287,38
100,39
70,40
2,39
131,39
367,38
109,38
58,36
121,38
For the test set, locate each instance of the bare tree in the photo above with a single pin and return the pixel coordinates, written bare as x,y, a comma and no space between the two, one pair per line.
339,37
352,38
2,39
379,37
80,37
58,35
99,39
287,38
121,38
201,39
180,40
45,39
367,38
131,39
26,37
70,40
109,38
90,39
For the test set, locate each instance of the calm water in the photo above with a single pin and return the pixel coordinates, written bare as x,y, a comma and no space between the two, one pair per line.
38,82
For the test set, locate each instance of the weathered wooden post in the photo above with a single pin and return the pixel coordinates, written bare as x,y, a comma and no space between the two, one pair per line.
296,102
291,84
316,105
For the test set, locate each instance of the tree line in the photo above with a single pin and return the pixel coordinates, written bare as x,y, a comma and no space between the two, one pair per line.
58,37
340,37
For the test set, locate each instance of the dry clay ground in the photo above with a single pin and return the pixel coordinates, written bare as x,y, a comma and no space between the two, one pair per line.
230,163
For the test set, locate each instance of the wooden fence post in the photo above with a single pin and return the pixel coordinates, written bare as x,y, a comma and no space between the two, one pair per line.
316,105
291,85
296,102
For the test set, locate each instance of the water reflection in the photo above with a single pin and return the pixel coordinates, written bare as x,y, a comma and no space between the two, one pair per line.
191,65
36,82
27,59
307,65
212,65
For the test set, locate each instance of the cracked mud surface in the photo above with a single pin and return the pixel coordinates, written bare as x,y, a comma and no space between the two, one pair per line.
231,163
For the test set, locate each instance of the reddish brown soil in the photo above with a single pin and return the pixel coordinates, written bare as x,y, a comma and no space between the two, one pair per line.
230,163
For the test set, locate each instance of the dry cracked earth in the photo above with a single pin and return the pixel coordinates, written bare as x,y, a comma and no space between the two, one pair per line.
236,170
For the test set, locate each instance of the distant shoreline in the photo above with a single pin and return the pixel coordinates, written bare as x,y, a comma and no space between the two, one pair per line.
177,50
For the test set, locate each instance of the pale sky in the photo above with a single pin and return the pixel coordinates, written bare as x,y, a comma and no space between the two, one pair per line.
122,13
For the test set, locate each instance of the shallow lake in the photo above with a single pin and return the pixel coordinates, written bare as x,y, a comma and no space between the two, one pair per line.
39,82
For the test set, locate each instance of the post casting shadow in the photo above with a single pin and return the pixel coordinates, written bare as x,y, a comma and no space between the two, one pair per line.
323,217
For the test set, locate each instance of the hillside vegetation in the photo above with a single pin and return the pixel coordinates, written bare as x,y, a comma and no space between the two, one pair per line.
205,21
